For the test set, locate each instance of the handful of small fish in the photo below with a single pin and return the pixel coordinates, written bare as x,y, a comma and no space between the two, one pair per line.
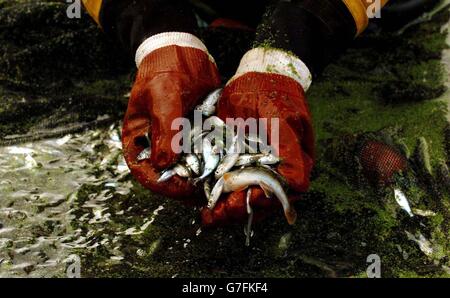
227,166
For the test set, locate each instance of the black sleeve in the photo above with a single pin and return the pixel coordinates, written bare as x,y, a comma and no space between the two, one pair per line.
132,21
314,30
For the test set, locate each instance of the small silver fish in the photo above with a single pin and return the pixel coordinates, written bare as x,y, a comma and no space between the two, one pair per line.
193,162
166,175
208,107
214,139
145,154
260,158
269,159
182,171
248,159
243,178
230,159
248,228
178,169
210,165
197,141
424,244
211,159
424,213
402,201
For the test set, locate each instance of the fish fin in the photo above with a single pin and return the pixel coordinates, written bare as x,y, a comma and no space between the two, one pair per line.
291,215
267,190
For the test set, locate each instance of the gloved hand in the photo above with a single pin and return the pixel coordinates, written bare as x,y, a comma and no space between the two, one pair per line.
175,72
259,93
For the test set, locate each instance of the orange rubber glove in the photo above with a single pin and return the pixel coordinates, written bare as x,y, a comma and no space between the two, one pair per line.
175,72
255,92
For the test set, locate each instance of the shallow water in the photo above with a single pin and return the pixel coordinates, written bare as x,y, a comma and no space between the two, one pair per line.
38,184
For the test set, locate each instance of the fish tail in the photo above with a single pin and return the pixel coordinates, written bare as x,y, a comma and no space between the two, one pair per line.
291,215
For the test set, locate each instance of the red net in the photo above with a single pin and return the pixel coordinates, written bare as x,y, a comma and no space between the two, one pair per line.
380,162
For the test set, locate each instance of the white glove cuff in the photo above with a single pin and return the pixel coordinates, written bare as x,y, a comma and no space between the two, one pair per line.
275,61
169,39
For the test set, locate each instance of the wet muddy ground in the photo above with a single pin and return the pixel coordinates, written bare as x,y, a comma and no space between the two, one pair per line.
39,183
65,190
